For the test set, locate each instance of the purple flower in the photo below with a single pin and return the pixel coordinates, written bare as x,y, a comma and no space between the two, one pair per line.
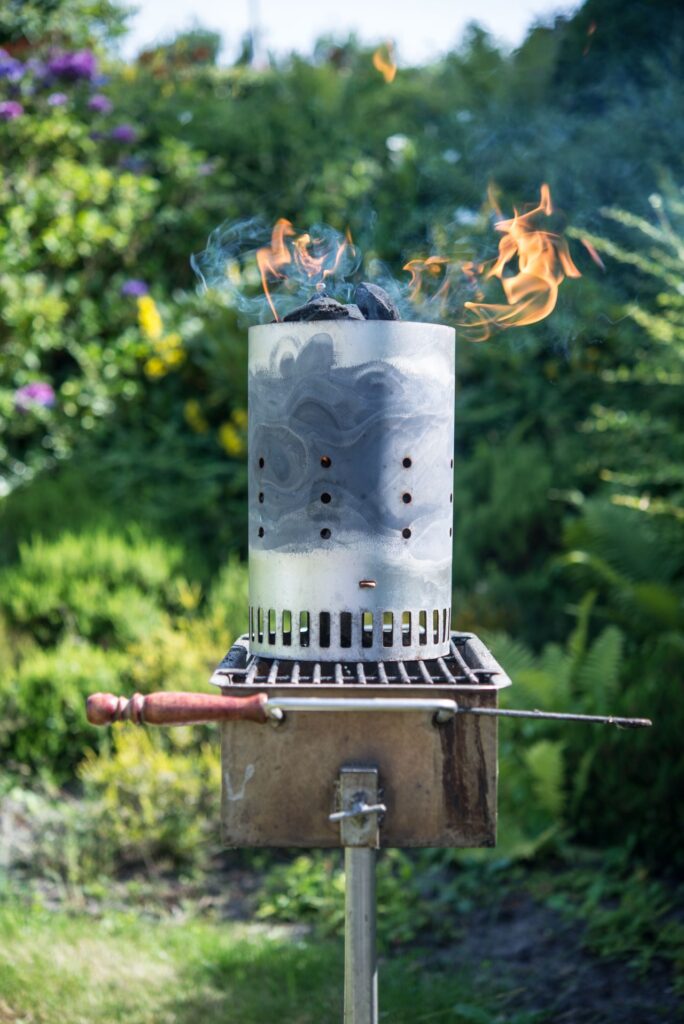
38,393
10,110
134,288
57,99
36,67
73,66
10,67
100,104
124,133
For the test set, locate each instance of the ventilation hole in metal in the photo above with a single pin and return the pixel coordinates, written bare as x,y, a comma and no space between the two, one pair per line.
435,626
261,463
406,498
287,628
345,629
451,464
366,629
406,629
407,462
451,499
326,461
261,497
260,625
324,629
445,625
406,533
261,531
326,498
271,626
422,627
251,624
326,533
387,628
451,532
304,629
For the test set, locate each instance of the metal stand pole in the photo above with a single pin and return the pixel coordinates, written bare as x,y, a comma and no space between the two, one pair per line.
360,964
360,810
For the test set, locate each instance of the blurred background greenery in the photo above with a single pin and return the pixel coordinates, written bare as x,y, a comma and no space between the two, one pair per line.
123,395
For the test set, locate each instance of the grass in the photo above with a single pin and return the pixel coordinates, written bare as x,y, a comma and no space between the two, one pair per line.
62,968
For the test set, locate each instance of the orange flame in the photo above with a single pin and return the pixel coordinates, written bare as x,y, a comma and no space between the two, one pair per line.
420,270
544,261
593,253
383,61
302,254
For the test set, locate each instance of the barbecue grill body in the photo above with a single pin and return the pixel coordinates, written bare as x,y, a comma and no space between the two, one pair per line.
438,781
351,432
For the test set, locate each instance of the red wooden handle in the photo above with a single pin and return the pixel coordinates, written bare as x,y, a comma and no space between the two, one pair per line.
174,708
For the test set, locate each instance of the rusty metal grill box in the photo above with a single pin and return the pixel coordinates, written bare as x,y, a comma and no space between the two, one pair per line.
439,778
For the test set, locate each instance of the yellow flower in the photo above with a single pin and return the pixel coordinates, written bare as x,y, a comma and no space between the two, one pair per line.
174,358
230,440
239,418
155,367
169,342
194,417
149,318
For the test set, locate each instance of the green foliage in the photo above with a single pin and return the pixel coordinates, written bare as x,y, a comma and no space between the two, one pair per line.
43,728
310,888
104,588
152,804
111,613
569,442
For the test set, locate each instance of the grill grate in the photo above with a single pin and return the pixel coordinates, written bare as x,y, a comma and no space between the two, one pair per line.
468,664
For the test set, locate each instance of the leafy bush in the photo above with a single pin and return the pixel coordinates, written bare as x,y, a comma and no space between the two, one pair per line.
105,588
153,804
112,614
43,728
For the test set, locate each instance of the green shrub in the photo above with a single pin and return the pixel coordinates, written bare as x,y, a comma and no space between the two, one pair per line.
154,804
310,888
105,588
43,728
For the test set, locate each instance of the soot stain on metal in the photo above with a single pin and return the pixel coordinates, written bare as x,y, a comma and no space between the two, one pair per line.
305,404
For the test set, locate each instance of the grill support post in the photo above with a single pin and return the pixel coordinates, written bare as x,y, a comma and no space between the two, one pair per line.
360,963
359,811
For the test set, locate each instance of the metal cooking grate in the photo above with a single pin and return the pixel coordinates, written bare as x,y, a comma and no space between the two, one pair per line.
468,664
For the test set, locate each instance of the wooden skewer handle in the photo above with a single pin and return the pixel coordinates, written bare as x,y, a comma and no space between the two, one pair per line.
174,708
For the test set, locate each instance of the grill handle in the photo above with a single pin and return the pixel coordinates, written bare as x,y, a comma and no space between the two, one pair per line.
174,708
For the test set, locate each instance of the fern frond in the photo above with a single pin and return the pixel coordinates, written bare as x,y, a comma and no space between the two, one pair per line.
544,760
598,674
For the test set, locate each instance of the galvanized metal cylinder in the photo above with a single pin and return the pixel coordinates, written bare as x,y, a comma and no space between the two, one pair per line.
351,431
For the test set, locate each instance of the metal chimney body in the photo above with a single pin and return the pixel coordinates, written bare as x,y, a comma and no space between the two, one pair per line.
351,427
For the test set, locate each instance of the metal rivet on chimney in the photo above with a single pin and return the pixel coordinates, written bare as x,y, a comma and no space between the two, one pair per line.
406,498
326,461
406,462
367,583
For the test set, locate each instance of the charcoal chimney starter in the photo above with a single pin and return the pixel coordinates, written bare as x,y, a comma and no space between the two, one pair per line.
351,427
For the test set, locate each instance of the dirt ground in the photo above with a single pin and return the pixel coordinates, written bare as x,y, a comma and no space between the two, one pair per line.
538,957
